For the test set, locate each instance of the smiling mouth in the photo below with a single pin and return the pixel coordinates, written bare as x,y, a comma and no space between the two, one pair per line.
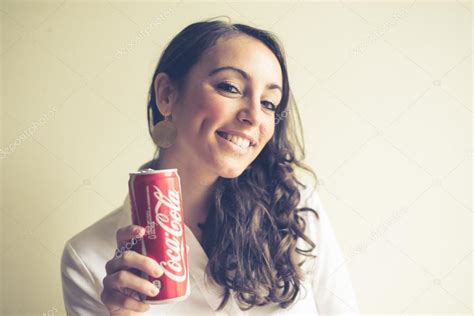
236,140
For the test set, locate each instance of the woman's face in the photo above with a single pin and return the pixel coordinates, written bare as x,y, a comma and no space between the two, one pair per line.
226,113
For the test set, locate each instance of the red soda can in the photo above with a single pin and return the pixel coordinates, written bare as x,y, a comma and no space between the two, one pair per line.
157,205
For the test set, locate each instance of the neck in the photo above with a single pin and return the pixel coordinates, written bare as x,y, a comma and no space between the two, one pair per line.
196,187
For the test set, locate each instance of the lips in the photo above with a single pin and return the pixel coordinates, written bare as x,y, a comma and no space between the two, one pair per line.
242,142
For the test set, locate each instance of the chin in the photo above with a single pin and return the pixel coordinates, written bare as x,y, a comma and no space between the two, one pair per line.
231,173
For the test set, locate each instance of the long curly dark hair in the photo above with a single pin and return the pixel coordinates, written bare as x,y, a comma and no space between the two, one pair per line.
252,227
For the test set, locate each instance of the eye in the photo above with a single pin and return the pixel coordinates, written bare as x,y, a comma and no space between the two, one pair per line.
270,105
227,87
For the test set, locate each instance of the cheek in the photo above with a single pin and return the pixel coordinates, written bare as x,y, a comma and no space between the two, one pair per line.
207,111
213,106
268,128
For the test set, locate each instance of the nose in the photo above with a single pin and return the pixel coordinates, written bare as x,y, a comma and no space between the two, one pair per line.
250,113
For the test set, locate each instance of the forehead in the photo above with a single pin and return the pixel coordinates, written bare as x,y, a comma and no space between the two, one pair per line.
246,53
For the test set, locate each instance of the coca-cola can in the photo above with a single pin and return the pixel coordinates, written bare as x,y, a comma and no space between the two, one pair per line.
157,205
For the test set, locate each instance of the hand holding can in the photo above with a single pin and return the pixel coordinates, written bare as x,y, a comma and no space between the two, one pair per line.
156,203
121,286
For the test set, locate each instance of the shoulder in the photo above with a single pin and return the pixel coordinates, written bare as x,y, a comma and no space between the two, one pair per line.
316,220
99,238
83,266
99,233
310,199
328,272
93,246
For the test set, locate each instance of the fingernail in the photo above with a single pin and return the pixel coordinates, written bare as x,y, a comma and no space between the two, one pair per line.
154,291
158,272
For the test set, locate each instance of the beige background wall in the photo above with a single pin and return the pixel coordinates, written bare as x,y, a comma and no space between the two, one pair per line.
384,89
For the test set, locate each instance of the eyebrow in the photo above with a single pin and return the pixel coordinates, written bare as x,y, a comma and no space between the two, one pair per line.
243,74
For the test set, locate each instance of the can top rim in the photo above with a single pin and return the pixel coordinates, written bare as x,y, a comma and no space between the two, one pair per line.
152,171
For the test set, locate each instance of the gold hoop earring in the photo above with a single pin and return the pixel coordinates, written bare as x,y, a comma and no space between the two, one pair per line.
164,133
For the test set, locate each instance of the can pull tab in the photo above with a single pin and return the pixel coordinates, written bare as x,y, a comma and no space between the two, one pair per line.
148,170
157,283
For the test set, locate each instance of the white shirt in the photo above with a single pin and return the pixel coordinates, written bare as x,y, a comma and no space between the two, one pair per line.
328,284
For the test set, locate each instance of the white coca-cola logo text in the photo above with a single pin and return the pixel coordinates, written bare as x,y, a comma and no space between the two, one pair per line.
174,268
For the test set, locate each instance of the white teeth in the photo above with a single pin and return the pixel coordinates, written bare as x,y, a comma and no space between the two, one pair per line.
239,141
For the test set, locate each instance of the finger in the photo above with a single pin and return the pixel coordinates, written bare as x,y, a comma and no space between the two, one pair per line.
125,234
131,293
116,301
124,279
133,260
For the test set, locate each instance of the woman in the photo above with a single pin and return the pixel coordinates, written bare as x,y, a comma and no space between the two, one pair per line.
222,113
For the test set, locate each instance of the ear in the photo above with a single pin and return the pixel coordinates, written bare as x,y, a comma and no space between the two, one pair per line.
165,93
